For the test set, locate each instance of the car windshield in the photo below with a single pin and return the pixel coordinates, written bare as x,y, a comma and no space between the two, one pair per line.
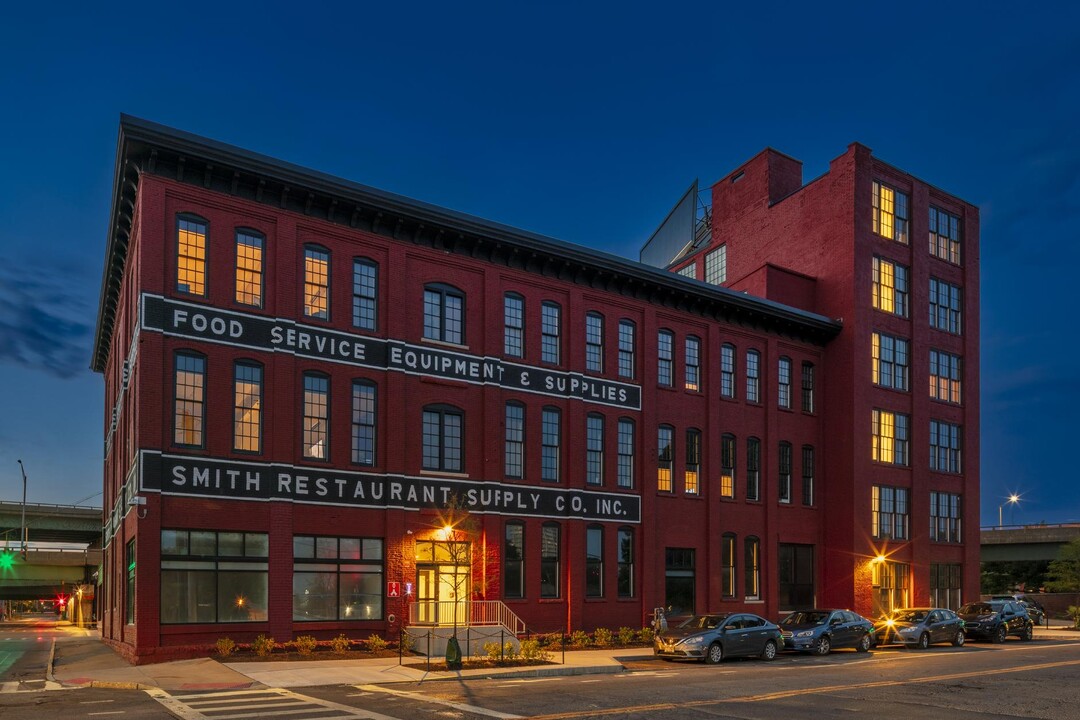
703,622
913,616
979,607
806,618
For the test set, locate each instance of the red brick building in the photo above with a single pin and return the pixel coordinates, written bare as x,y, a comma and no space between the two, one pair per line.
334,409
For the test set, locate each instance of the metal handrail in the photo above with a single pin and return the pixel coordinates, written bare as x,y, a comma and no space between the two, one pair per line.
467,613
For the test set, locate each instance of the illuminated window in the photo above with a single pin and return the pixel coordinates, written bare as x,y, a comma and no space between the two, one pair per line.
513,325
316,283
783,380
625,551
626,348
665,443
247,407
752,568
753,377
514,560
890,213
890,287
945,517
443,438
444,314
946,311
889,512
727,371
693,363
191,255
363,422
665,352
550,330
693,462
727,565
249,268
365,294
784,464
337,578
716,266
316,430
945,582
890,437
550,552
890,586
753,469
807,475
626,453
594,561
514,453
727,466
222,576
945,376
550,444
594,343
808,387
889,361
689,271
944,447
594,449
944,235
189,399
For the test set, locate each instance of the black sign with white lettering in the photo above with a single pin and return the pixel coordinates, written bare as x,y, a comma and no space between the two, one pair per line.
200,322
226,479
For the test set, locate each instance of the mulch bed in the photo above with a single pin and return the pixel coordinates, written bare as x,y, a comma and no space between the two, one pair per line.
319,654
476,664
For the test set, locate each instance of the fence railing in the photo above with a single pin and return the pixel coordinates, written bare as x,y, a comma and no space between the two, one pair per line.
465,613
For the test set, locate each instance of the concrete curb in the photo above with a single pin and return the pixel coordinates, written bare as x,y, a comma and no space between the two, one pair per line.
116,685
545,671
52,658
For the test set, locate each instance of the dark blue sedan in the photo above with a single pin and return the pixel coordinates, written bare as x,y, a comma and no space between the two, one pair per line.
820,631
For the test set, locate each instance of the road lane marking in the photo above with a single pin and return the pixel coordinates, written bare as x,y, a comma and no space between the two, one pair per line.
424,698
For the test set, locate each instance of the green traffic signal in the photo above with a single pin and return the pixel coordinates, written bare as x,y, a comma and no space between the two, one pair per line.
7,560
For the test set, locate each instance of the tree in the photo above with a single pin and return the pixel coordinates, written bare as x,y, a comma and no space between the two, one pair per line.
458,528
1064,572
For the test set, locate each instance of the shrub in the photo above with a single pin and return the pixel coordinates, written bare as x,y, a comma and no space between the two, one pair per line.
263,645
375,643
509,653
1074,612
225,647
603,637
579,638
646,635
340,644
305,644
532,651
550,639
407,641
626,635
493,650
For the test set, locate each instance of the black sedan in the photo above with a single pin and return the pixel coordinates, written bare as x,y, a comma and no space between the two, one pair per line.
920,627
819,631
996,619
715,636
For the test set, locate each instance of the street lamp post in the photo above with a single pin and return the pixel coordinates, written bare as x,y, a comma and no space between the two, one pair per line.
22,545
1012,500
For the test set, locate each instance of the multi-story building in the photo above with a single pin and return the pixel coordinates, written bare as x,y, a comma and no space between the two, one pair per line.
334,409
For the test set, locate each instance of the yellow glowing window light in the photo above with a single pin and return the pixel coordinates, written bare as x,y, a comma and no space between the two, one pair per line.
663,479
249,268
884,436
692,482
875,355
191,257
316,284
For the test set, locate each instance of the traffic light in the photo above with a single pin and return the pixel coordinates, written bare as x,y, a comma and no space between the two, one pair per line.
7,560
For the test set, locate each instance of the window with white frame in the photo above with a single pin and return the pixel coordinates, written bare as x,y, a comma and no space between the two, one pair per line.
665,352
594,449
627,331
689,271
693,363
625,477
727,370
716,266
753,376
890,360
550,333
890,212
890,292
783,380
513,325
945,376
594,343
944,447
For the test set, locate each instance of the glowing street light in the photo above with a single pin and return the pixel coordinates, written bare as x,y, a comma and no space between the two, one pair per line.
1013,499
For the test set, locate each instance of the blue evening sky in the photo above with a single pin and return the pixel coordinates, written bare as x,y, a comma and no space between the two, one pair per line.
583,121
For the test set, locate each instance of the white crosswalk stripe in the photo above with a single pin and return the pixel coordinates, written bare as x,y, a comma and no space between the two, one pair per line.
273,702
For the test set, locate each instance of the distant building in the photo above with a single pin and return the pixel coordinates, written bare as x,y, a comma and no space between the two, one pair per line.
307,379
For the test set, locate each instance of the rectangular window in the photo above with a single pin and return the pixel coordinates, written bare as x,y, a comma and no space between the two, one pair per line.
890,437
808,387
945,372
365,294
594,450
784,463
716,266
889,361
626,349
190,256
727,566
753,469
808,475
249,268
247,408
594,562
783,371
213,577
693,462
946,580
594,343
444,314
626,563
946,311
890,213
889,512
680,570
443,440
665,442
189,400
945,517
944,447
693,364
796,576
753,378
129,595
316,283
513,325
890,287
752,568
514,454
727,371
727,466
945,236
689,271
550,442
316,431
665,353
363,422
514,561
337,578
550,330
626,454
550,552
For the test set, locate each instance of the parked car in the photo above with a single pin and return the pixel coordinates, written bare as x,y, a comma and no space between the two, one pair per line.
997,619
1034,608
920,627
819,631
715,636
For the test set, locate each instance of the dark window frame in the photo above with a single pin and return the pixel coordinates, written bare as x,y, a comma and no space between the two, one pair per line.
316,248
362,298
251,234
445,333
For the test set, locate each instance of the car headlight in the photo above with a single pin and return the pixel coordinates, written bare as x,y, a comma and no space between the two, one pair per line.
692,640
805,633
908,630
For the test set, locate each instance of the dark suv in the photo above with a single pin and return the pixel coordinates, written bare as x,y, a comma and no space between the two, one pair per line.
996,619
1035,610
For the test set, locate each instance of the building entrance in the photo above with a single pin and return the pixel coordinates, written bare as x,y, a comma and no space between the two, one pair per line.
442,582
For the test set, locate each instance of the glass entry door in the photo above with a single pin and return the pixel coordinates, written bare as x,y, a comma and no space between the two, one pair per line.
442,592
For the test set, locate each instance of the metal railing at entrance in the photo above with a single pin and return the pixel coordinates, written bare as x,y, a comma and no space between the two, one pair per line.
465,613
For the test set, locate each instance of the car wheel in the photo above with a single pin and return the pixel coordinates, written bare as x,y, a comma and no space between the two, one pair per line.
999,635
924,641
958,641
715,654
1029,632
864,643
769,653
824,645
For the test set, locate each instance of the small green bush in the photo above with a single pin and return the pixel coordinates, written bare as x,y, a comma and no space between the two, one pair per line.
1073,612
579,638
532,651
263,645
225,647
493,650
604,637
340,644
408,642
375,643
305,644
626,635
647,635
552,640
509,653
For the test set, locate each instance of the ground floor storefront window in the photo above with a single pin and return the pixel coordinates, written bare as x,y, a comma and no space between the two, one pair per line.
213,577
796,580
337,578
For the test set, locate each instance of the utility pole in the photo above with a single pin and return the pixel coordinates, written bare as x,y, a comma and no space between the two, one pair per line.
22,547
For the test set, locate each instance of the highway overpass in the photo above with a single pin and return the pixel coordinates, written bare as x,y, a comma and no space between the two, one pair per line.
1025,542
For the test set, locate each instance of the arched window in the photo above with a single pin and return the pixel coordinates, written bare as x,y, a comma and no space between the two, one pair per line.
514,447
727,565
365,302
550,556
250,247
752,568
594,449
550,444
625,477
626,562
627,344
594,561
513,325
189,399
594,342
192,236
727,370
727,465
315,432
247,406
